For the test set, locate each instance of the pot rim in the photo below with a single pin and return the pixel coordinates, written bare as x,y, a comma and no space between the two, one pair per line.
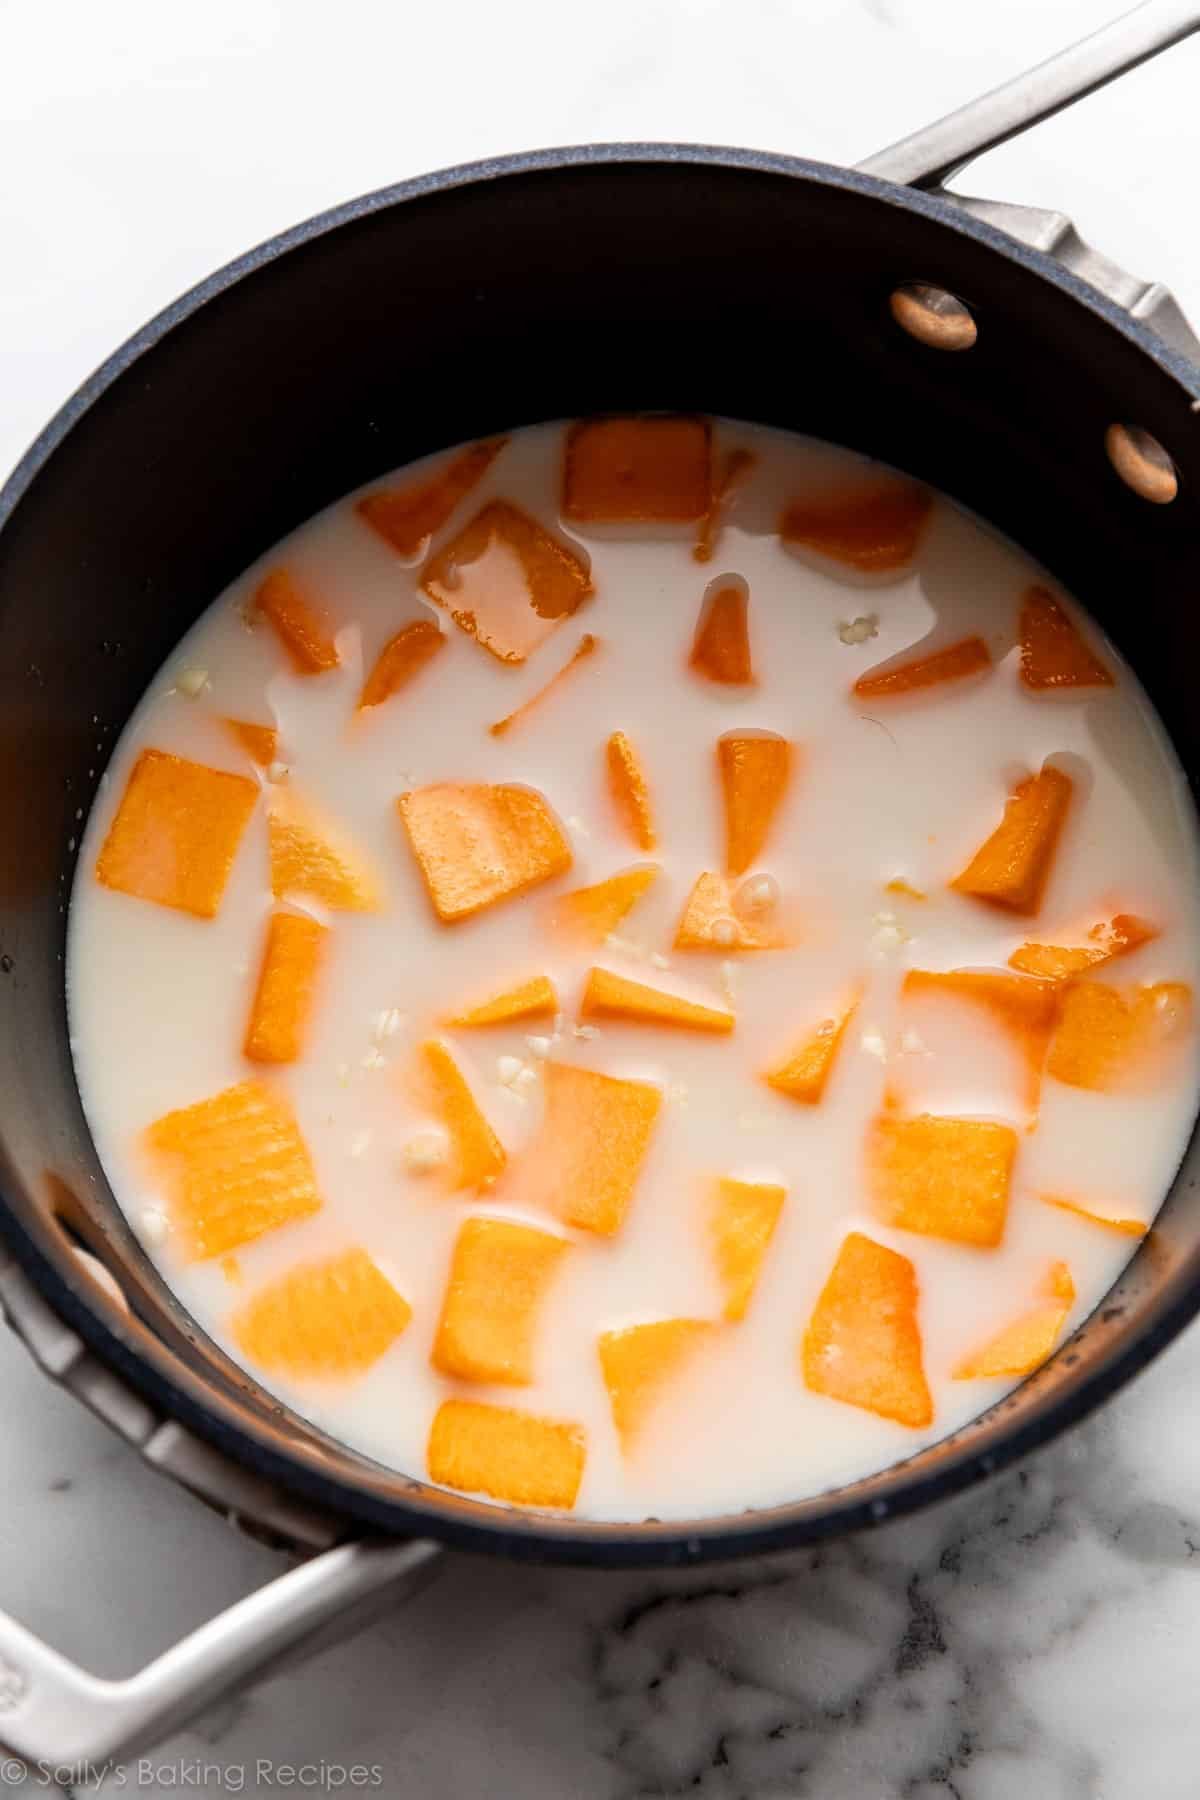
982,1447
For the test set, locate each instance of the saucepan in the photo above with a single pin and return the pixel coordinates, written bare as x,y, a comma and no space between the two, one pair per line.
982,347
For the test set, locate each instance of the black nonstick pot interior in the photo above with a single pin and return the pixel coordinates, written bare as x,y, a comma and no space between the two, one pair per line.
543,287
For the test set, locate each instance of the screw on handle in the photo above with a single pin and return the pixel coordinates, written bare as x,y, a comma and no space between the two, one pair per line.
53,1711
932,156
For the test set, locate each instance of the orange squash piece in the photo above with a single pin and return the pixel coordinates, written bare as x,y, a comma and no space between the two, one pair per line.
1053,653
309,856
176,832
408,517
287,981
298,625
609,996
629,789
477,1153
804,1074
863,1341
533,999
637,470
260,742
1025,1344
1106,1039
499,1274
1118,936
506,582
402,658
583,649
742,1223
509,1455
590,913
585,1161
236,1166
1025,1008
874,531
755,769
946,1178
476,844
323,1320
954,663
905,889
721,648
735,470
711,921
1012,867
1124,1227
638,1363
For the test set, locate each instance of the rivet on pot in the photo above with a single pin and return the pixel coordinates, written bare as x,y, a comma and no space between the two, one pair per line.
933,316
1142,463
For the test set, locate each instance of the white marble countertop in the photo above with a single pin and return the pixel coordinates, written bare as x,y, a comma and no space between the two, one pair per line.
1038,1640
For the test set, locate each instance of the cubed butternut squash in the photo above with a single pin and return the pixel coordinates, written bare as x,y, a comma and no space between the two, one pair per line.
283,998
1054,654
1011,868
234,1166
942,1177
176,833
863,1344
642,469
476,844
508,1455
407,517
638,1364
326,1320
610,996
506,582
756,770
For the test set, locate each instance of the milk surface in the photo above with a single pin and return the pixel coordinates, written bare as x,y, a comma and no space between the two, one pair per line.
159,1000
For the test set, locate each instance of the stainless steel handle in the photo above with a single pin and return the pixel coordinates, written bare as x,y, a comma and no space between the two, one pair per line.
53,1711
933,155
930,157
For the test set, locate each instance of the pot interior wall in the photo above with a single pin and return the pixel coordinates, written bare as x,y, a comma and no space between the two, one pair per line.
742,286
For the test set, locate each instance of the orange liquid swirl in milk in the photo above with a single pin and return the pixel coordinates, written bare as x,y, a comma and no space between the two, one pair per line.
642,967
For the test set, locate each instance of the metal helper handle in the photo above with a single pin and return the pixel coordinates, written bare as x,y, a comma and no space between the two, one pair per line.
51,1710
931,157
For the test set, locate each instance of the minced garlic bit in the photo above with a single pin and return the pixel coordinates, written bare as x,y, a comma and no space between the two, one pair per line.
729,978
677,1093
155,1225
658,960
889,933
585,1031
625,946
424,1151
525,1082
913,1044
858,631
360,1143
191,682
386,1023
540,1046
374,1059
278,771
576,825
724,931
874,1043
759,894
